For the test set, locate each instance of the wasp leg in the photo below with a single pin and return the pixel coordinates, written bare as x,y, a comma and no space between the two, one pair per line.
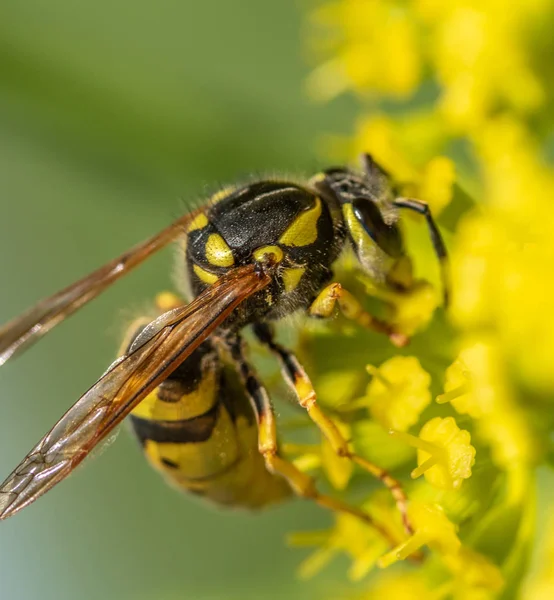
300,383
302,485
438,243
323,306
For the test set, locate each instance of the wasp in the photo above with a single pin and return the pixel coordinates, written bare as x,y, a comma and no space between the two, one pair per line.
252,255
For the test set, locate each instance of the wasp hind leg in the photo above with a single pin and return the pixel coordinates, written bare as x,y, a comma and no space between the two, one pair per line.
302,485
300,383
334,294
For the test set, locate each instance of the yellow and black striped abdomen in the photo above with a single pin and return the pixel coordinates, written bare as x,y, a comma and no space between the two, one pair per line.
199,430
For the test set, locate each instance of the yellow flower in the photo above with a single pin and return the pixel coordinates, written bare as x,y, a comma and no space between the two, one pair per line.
472,49
362,543
381,137
398,392
474,576
509,250
401,586
541,584
432,528
458,389
407,310
436,184
444,453
477,86
503,424
412,310
468,501
373,47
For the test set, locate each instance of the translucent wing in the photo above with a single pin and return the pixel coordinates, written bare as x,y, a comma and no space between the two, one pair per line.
23,331
162,347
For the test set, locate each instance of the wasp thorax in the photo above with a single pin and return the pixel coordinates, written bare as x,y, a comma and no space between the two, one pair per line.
269,255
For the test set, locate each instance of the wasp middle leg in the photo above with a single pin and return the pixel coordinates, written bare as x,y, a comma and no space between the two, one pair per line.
300,383
302,485
334,294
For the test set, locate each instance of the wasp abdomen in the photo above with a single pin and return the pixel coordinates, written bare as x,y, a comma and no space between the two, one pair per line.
198,429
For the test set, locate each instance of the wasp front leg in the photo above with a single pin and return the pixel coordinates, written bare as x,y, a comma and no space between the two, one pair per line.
334,294
439,246
300,383
302,485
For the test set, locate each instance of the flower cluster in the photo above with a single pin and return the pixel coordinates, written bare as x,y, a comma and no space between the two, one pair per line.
453,95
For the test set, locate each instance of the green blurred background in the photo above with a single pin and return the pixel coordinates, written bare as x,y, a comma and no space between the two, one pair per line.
114,117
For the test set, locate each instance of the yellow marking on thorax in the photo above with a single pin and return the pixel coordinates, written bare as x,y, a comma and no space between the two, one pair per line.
218,252
199,222
189,406
259,253
303,230
204,275
291,277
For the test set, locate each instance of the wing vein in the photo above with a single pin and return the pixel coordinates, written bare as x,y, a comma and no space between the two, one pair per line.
171,338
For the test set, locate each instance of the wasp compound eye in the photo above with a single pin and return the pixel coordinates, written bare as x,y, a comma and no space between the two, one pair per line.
386,236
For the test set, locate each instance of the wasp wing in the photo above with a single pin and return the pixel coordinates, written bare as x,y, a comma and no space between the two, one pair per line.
23,331
162,347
